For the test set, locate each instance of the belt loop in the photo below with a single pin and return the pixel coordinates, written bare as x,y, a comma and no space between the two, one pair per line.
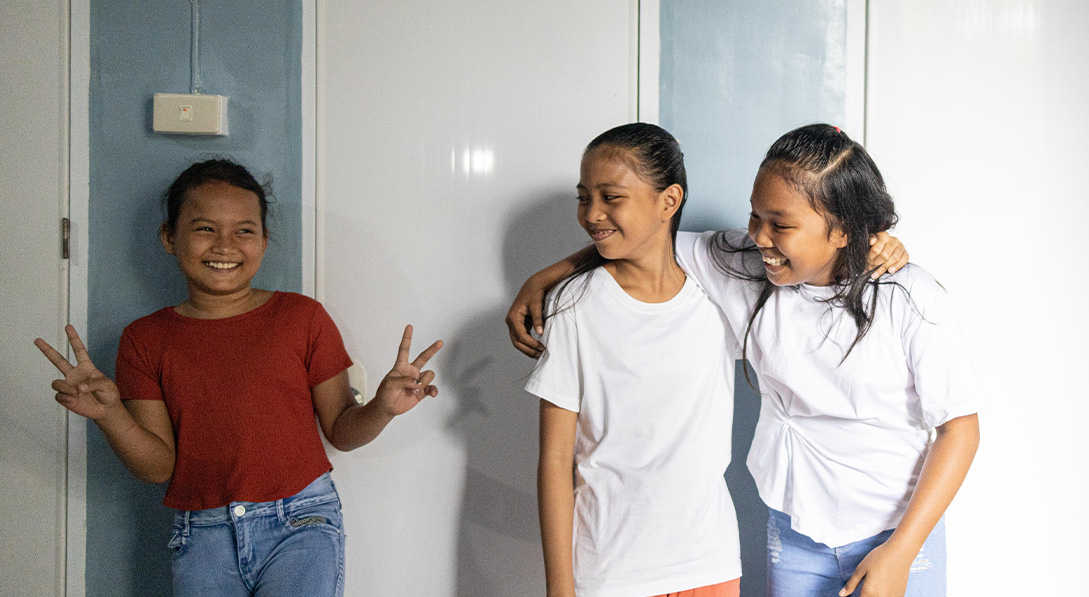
280,510
185,523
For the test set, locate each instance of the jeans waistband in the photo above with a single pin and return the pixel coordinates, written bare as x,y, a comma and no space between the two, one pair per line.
319,490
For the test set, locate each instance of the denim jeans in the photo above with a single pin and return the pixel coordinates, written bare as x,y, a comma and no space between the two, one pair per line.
292,546
801,567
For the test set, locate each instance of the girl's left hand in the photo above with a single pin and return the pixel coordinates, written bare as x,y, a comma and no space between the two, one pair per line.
885,572
406,385
887,254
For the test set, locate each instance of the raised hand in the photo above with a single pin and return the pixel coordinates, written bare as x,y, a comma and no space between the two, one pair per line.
406,385
84,390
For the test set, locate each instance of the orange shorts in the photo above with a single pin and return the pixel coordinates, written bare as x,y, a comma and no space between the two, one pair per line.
727,589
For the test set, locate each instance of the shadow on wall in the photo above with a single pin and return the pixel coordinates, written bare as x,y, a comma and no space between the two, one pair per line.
752,514
499,551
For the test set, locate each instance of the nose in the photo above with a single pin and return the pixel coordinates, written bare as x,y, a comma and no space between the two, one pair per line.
224,242
591,211
758,233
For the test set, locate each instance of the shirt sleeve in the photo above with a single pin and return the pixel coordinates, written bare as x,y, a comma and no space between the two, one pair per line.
944,377
558,375
137,371
326,355
704,257
693,255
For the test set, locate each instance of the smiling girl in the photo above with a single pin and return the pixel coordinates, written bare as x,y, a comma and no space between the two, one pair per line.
217,396
636,394
868,416
867,425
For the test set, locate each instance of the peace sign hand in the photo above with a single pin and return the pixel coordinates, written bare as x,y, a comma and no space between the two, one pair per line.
84,390
405,385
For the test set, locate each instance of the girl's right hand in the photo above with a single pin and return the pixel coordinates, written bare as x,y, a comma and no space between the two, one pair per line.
526,314
84,390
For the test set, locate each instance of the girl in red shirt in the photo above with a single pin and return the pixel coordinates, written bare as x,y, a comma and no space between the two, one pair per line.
217,397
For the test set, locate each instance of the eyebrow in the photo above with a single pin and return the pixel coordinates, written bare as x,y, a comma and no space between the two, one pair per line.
602,185
246,222
774,212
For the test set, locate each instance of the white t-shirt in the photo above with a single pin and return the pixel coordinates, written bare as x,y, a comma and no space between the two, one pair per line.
653,387
839,446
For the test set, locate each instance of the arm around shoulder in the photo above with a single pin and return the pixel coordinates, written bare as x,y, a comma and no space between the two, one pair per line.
526,313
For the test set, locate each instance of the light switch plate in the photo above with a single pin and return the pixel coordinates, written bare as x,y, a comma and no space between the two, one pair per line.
189,114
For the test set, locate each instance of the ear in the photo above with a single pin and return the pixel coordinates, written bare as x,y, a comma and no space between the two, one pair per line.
670,201
167,238
838,237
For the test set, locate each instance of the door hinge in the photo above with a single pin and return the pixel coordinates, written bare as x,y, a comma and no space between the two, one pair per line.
66,237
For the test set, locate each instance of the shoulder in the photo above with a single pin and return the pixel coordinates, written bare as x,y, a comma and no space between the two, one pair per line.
571,291
154,323
915,280
295,300
924,293
294,305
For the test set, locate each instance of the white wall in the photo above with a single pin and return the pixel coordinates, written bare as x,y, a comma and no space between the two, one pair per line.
451,136
977,117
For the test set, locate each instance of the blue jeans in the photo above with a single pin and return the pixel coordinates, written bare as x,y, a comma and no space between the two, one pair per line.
292,546
801,567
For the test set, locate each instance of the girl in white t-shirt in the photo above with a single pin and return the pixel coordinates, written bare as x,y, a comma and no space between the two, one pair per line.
867,425
856,376
645,430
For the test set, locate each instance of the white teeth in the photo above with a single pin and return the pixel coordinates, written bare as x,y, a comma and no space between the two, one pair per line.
775,261
220,264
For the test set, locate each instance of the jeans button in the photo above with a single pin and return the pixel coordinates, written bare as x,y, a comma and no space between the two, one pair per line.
239,510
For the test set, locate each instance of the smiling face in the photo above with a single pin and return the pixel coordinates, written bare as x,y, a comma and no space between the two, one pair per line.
794,239
624,215
218,240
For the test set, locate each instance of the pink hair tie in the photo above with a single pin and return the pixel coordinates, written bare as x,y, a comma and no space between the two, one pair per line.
837,129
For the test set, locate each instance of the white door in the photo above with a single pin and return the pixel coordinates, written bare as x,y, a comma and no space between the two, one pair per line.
449,140
33,302
976,115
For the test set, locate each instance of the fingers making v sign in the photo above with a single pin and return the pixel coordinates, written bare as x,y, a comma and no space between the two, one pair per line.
406,384
84,389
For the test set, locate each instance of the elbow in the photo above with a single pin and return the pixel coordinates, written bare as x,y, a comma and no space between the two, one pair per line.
963,431
158,476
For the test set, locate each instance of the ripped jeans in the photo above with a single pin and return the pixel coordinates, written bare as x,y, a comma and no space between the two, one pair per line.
801,567
292,546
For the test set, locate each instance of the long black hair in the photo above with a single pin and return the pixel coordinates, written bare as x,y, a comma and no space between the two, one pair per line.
653,154
843,184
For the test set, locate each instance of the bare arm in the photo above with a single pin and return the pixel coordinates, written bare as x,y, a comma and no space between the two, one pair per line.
526,312
348,425
885,570
139,431
525,316
556,497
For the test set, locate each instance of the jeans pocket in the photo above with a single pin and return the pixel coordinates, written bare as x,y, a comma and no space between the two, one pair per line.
178,542
325,516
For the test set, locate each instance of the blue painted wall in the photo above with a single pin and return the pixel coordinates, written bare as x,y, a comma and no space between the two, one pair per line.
736,75
250,51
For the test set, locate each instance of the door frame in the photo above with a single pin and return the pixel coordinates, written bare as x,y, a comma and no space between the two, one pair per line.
79,82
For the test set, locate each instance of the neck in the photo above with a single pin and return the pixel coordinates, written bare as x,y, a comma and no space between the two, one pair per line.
652,279
205,306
